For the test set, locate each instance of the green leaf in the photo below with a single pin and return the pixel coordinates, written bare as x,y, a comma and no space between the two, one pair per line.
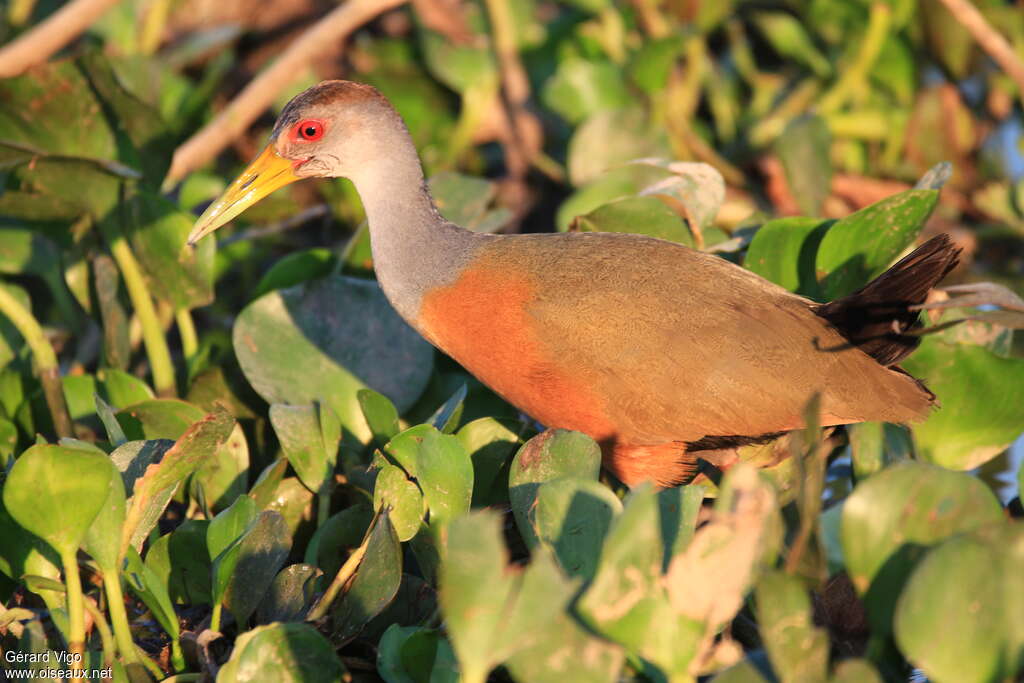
803,149
678,510
550,455
564,652
789,38
617,183
445,474
296,268
695,190
180,560
229,525
797,649
580,88
380,414
25,251
861,246
115,435
966,432
394,490
876,445
289,653
320,341
446,418
56,493
147,586
855,671
224,477
464,200
298,430
408,654
103,539
891,519
341,531
291,594
258,555
651,65
491,444
572,517
23,552
973,581
637,215
611,138
375,584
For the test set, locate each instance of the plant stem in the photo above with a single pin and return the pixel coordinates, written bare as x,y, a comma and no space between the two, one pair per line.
187,332
150,665
20,12
342,577
76,609
177,656
45,359
106,637
118,615
854,77
152,333
215,617
153,24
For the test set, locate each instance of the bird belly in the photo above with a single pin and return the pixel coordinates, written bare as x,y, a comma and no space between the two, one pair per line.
482,320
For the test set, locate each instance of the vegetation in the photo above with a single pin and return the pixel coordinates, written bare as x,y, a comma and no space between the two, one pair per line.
235,463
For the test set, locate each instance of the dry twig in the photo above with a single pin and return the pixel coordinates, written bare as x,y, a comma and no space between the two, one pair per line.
260,93
990,40
60,28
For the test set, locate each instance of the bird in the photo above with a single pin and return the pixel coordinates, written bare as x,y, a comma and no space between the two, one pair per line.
655,350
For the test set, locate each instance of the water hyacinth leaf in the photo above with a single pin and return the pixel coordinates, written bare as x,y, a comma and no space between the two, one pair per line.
616,183
789,38
115,435
989,639
491,443
380,414
285,652
394,490
967,432
149,495
784,251
23,552
147,586
229,525
103,538
462,67
260,553
404,448
262,492
678,510
446,418
572,517
342,530
120,389
407,654
491,613
862,245
133,458
25,251
180,561
695,190
876,445
803,149
295,503
320,341
56,493
414,604
611,138
298,430
564,652
223,478
375,584
855,671
798,650
290,594
582,87
445,475
645,215
157,231
161,418
552,454
891,519
464,200
295,268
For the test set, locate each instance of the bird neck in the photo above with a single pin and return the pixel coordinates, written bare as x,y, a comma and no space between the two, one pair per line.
414,248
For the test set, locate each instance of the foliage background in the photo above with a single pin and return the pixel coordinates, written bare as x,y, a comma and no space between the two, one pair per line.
216,466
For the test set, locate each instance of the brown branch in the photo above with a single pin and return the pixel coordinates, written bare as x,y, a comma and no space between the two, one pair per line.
60,28
260,93
988,38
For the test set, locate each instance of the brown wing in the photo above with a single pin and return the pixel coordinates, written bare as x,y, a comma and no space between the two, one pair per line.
683,345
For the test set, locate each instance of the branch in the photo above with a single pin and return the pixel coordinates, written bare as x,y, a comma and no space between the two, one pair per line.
261,92
988,38
60,28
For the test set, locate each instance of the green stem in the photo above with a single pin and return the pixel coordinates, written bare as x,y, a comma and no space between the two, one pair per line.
76,609
853,78
45,358
177,656
106,637
20,12
187,332
215,617
152,333
342,577
153,26
323,508
154,670
118,615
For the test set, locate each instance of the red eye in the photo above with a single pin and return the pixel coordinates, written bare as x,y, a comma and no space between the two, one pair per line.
310,129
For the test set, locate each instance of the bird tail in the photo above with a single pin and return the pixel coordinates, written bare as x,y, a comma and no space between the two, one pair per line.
877,318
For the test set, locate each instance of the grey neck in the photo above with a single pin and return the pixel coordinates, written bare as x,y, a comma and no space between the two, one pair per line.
414,248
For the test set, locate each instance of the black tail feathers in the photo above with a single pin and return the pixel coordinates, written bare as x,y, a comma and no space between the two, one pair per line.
877,316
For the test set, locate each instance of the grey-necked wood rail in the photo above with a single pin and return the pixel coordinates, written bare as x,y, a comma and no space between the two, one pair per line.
655,350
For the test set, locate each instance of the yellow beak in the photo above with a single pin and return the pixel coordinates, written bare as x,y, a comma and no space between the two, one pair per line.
266,173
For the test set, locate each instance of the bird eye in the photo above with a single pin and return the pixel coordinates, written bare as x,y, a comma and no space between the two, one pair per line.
310,130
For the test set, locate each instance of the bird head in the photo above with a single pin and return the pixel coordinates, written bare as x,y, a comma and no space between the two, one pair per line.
330,130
